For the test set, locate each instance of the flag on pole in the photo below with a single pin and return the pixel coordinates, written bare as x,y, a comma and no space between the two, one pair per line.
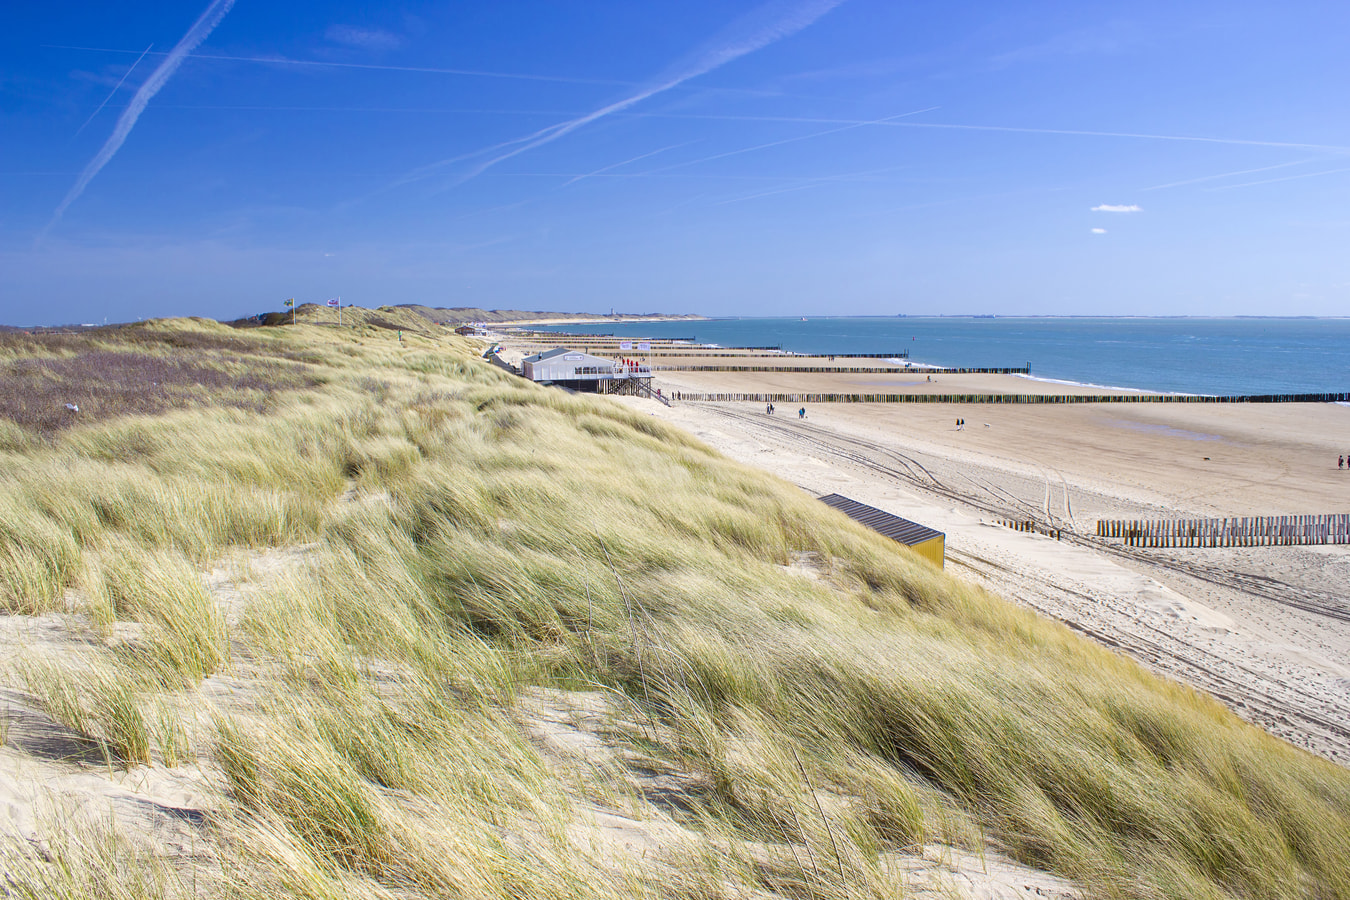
645,345
625,345
335,301
290,302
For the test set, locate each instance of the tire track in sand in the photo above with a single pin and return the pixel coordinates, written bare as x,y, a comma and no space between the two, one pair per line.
1315,716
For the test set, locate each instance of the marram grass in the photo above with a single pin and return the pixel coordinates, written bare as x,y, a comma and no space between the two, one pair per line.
468,536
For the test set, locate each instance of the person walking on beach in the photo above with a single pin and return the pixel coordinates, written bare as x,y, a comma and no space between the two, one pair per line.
1340,462
801,413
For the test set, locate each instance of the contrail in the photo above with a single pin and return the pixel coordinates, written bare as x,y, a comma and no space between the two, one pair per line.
1121,134
429,70
195,35
801,186
803,183
1229,187
1172,184
1240,142
113,92
618,165
793,140
736,45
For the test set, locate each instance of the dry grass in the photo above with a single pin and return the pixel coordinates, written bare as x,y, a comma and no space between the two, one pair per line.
496,535
134,370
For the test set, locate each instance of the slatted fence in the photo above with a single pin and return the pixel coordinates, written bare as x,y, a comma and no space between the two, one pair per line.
680,352
1007,398
1244,531
896,369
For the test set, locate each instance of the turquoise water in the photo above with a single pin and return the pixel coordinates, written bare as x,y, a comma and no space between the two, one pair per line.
1197,356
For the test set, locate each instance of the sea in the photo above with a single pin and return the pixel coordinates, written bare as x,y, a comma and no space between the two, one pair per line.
1224,356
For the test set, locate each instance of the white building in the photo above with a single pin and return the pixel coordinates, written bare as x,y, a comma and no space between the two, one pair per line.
582,371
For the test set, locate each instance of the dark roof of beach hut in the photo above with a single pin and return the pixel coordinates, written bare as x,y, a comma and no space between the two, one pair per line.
902,530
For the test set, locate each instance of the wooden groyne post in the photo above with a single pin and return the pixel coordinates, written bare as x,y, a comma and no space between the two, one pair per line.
694,396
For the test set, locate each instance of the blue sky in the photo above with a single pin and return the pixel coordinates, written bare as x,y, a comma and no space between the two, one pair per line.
795,157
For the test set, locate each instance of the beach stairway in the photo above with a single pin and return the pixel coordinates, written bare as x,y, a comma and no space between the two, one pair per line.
1243,531
634,387
645,389
491,355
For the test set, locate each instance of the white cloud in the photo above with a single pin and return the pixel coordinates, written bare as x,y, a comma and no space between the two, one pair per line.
1099,231
365,38
1117,207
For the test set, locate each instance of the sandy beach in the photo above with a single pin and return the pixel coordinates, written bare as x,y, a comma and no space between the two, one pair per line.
1264,629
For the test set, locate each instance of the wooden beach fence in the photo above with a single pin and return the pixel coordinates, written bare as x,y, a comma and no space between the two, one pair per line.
690,396
896,369
1032,526
1244,531
677,352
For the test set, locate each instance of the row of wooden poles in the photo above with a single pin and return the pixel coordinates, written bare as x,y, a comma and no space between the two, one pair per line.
672,352
576,341
1030,525
675,352
1005,398
1245,531
548,336
835,369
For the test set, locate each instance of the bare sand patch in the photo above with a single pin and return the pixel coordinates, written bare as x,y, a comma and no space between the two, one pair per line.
590,741
53,777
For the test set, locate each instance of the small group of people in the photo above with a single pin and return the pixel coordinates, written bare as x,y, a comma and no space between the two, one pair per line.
960,424
769,410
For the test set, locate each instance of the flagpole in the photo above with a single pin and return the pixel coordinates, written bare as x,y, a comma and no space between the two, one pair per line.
339,310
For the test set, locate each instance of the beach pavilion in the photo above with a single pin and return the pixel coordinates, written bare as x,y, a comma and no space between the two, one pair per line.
584,372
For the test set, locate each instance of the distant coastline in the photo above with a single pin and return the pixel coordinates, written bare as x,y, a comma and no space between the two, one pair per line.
444,315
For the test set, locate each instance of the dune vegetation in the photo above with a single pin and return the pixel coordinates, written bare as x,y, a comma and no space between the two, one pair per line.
460,541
